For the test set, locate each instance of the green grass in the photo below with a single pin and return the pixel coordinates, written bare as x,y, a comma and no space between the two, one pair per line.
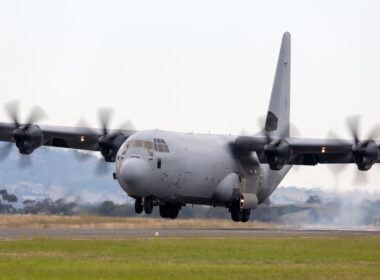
227,258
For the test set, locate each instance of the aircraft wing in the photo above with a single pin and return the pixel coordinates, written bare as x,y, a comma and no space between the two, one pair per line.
303,151
30,137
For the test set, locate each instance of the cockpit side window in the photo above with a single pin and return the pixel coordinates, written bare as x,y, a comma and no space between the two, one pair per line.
160,145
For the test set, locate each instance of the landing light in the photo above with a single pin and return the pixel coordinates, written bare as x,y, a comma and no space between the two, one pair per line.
241,201
82,138
323,150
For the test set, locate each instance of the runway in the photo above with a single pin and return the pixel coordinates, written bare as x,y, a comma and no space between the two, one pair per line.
85,234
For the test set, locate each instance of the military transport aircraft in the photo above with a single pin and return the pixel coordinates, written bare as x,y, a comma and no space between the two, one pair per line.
170,169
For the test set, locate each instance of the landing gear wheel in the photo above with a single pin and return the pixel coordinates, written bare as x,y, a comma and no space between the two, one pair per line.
148,205
138,205
173,213
236,214
245,215
164,211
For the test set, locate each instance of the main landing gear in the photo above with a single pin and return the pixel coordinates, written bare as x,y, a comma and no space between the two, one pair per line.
169,211
238,214
138,205
147,204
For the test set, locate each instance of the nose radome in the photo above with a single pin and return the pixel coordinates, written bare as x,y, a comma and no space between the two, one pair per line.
136,172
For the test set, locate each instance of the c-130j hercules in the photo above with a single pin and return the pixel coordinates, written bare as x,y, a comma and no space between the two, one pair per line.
170,169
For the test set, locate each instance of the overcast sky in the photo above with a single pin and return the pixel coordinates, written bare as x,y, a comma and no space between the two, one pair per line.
196,65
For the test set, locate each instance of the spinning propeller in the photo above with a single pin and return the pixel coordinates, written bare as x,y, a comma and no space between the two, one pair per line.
28,136
365,152
277,151
110,140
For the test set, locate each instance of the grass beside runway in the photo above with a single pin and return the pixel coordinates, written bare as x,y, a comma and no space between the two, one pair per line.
225,258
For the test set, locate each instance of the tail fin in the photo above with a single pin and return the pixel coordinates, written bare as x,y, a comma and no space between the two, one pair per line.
278,116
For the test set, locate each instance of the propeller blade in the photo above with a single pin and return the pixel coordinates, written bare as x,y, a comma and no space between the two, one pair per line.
332,135
5,150
82,125
81,156
361,178
36,115
353,123
244,132
260,121
336,169
25,161
126,125
294,131
102,168
375,132
104,115
296,168
12,108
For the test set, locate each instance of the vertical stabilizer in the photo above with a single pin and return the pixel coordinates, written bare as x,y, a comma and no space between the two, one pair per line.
277,121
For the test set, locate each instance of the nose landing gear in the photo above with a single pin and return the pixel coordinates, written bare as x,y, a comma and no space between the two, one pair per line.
146,205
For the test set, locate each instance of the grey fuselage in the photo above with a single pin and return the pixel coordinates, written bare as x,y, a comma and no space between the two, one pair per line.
183,168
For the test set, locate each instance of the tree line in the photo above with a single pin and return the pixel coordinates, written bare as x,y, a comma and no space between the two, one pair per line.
314,211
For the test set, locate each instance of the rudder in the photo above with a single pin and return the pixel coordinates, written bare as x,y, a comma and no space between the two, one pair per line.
278,116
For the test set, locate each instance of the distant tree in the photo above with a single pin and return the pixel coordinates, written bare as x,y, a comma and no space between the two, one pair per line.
107,208
28,202
314,199
7,207
8,197
12,198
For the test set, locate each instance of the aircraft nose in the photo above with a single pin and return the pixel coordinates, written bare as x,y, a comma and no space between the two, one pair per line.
136,172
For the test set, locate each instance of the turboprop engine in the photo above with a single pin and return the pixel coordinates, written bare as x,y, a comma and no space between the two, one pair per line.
28,138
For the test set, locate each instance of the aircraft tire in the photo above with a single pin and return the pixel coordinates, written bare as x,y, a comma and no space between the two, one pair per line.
148,205
164,211
236,214
138,205
173,212
245,215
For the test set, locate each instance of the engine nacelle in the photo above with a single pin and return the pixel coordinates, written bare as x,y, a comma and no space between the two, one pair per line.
366,153
28,138
248,201
278,153
110,144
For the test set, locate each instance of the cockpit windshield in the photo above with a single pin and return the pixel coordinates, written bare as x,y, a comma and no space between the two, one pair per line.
159,145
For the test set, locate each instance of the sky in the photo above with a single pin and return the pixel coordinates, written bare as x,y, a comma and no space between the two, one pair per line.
202,66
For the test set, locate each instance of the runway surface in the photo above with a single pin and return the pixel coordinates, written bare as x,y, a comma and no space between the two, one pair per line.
84,234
